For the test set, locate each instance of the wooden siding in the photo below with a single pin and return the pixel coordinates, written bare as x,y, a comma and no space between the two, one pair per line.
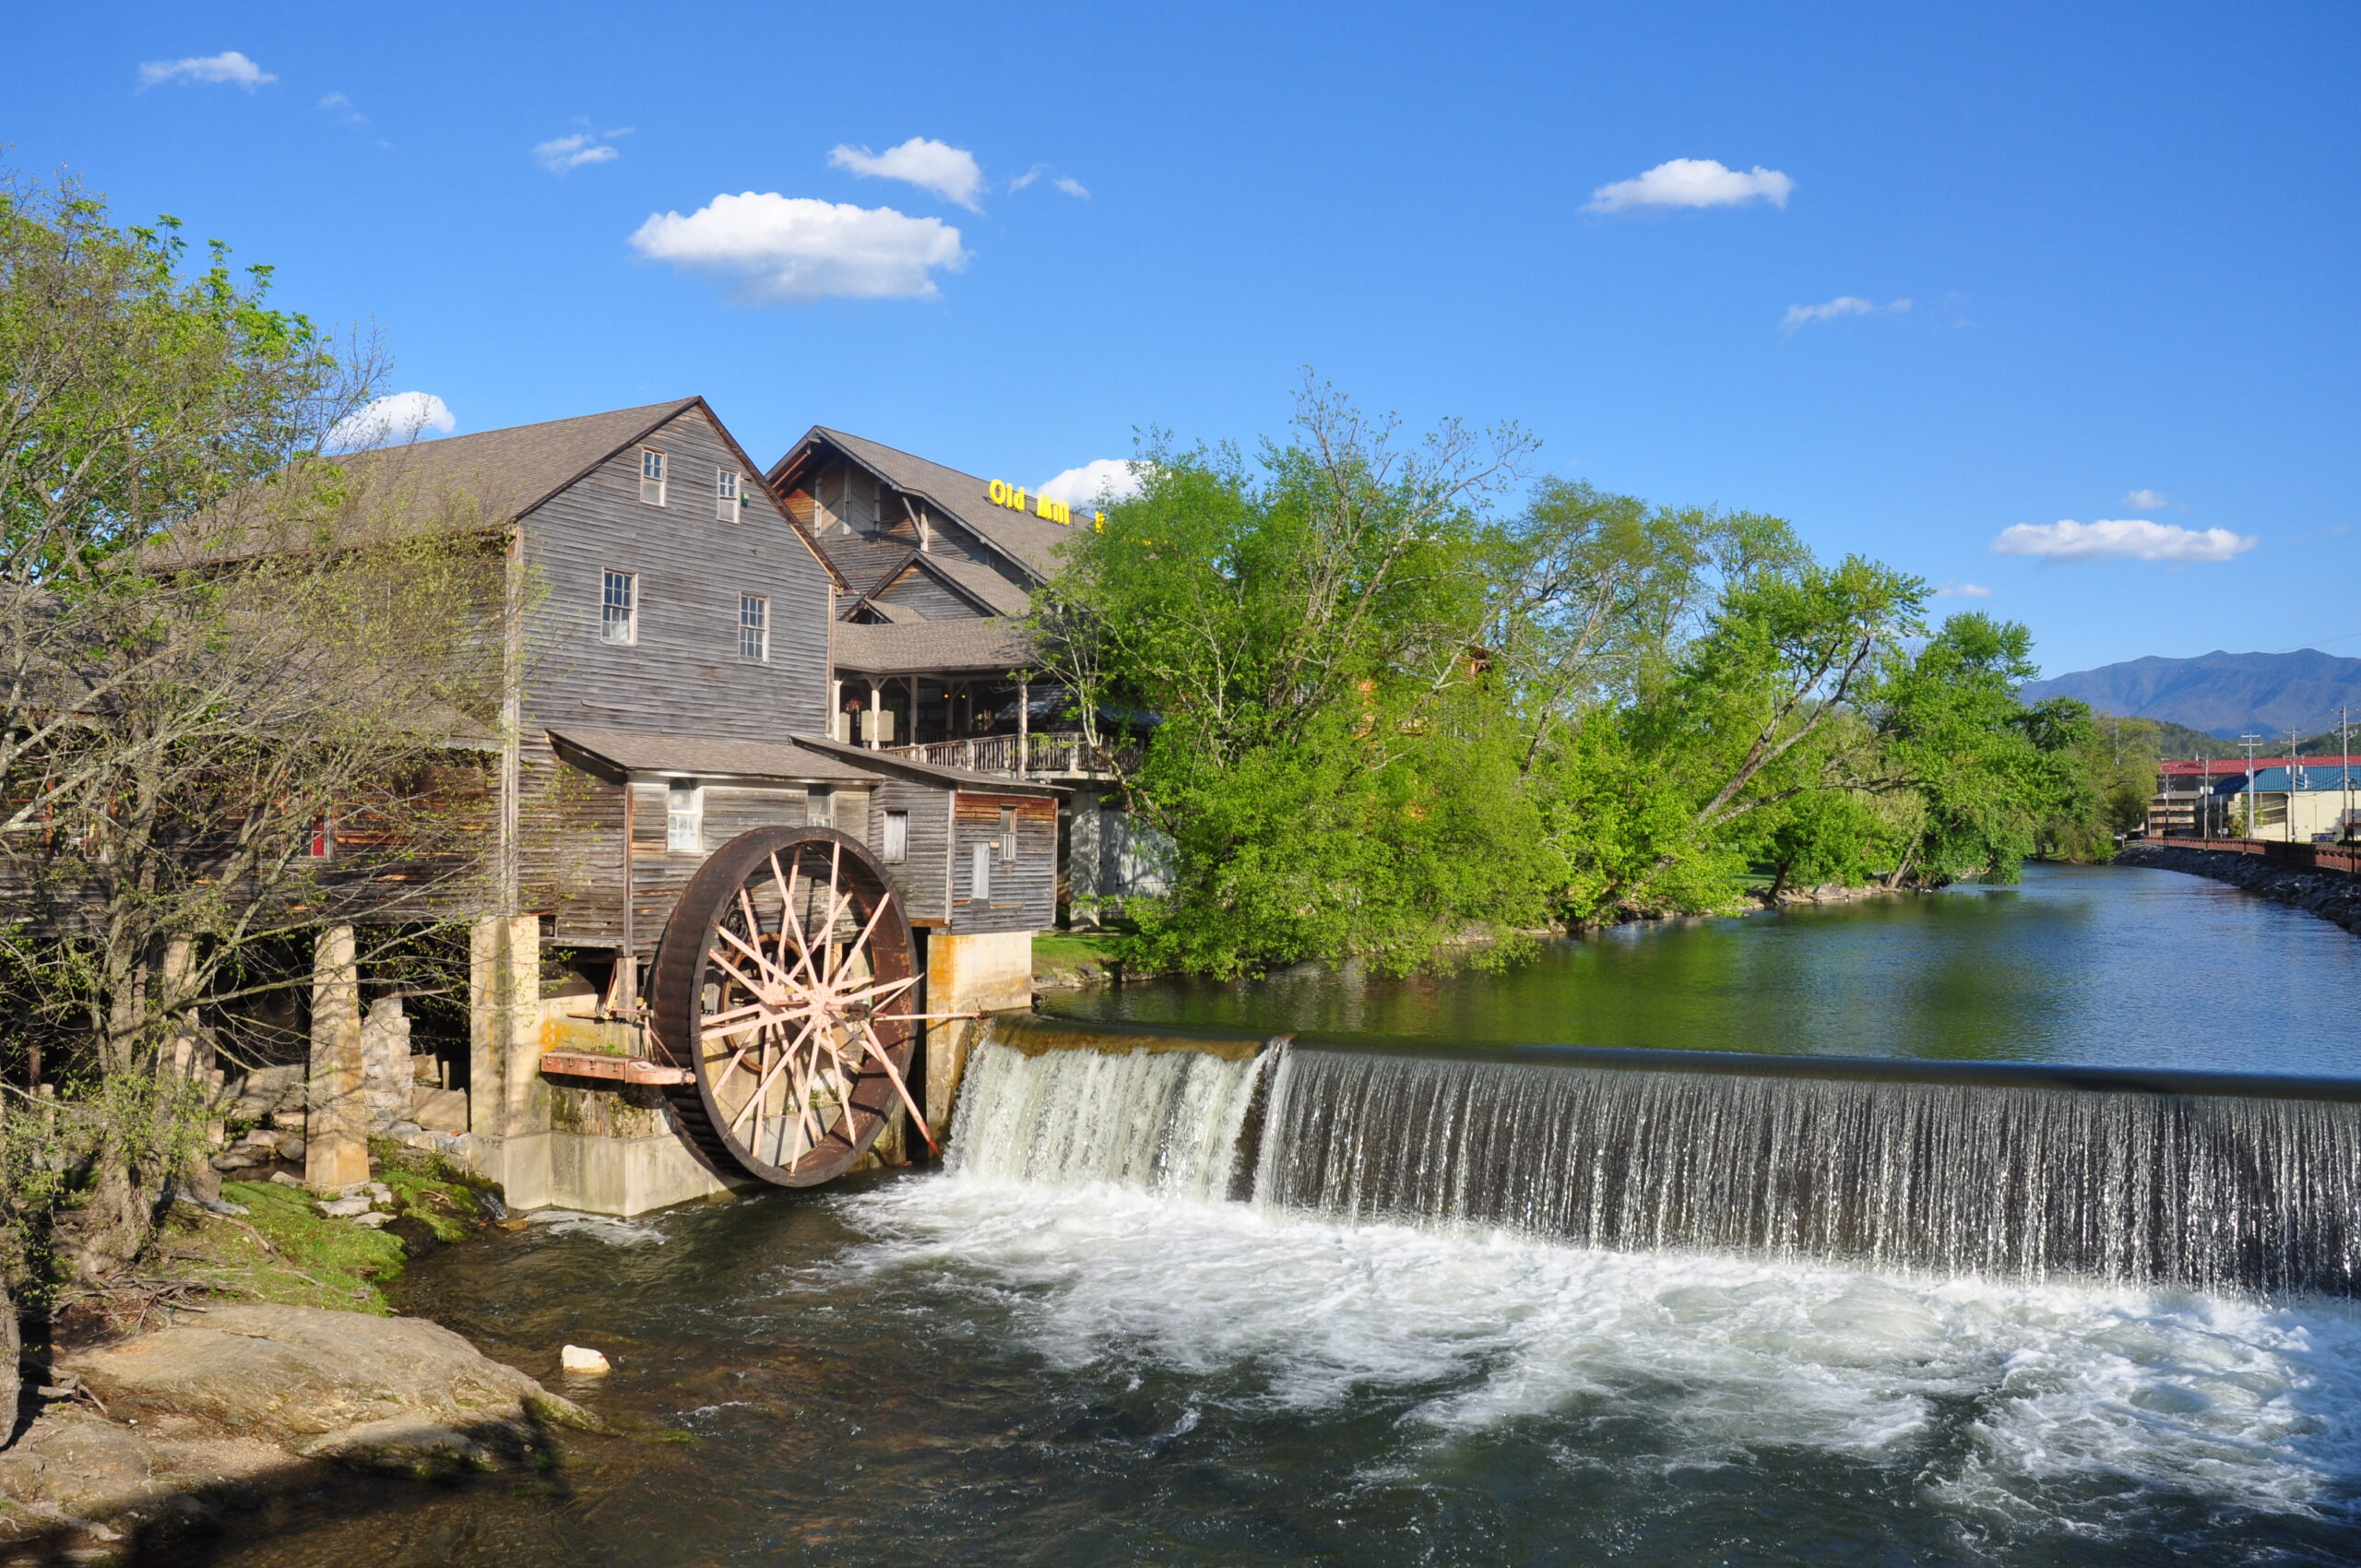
928,596
1024,894
683,675
923,878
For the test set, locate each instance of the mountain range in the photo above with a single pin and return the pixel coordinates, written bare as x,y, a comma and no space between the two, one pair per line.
2221,693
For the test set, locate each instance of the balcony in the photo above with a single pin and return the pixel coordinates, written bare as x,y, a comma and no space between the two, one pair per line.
1051,757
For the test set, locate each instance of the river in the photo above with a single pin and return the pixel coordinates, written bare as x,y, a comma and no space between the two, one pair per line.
1053,1355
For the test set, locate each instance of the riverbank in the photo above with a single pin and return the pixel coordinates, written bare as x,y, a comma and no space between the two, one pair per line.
252,1352
2332,895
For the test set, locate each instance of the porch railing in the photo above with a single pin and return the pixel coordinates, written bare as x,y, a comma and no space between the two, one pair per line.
1047,755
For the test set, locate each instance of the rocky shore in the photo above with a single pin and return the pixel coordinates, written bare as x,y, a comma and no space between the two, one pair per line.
2332,895
169,1431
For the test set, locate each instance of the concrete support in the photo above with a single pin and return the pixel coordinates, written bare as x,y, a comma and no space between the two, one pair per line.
985,972
508,1105
336,1132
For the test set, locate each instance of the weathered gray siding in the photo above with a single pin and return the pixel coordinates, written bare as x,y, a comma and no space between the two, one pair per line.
683,676
1024,894
928,596
923,875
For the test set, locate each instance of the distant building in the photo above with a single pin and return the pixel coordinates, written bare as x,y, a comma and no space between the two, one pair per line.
2211,798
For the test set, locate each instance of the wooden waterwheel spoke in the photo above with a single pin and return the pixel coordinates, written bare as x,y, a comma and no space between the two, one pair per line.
885,1060
770,1074
883,989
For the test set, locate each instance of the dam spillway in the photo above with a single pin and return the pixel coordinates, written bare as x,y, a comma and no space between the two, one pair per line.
2213,1182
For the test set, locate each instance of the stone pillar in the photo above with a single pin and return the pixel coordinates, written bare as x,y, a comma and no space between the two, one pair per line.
336,1131
505,1092
384,1062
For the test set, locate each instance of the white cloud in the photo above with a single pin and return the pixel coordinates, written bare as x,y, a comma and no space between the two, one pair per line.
1844,304
1955,589
2147,500
1693,182
2134,537
1105,479
226,66
402,416
341,107
1066,182
791,250
949,172
561,153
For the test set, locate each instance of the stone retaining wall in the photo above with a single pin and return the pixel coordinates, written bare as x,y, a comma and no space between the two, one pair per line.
2331,895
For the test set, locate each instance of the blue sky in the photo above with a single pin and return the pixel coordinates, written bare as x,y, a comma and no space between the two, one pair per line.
2127,236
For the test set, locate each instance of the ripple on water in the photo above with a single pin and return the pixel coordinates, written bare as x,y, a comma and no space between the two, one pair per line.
2059,1407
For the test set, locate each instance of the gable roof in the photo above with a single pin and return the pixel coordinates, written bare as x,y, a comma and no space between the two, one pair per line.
465,483
1030,542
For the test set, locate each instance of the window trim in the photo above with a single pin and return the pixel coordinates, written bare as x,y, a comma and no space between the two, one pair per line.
761,627
728,496
1007,835
653,459
608,577
674,835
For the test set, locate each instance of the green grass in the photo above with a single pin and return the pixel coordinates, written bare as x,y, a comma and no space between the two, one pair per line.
1059,949
284,1250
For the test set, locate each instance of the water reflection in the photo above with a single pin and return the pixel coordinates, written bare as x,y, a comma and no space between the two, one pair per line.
2086,965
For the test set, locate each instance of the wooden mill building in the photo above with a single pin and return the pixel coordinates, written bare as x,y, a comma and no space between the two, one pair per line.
669,637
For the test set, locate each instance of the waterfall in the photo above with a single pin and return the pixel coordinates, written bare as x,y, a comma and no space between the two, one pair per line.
2007,1173
1139,1112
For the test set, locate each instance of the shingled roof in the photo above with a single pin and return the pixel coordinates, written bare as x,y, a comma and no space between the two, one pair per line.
461,483
1029,542
715,756
994,643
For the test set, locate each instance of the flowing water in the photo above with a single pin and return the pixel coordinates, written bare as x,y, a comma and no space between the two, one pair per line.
1353,1305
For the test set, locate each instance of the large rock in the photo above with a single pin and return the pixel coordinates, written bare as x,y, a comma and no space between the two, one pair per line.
297,1372
384,1062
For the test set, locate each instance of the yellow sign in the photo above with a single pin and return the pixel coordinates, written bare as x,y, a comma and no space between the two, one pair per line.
1013,496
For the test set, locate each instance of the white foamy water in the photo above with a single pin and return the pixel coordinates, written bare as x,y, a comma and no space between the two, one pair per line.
2011,1402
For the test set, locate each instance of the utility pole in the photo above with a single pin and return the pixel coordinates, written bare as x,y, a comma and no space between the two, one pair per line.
2295,744
2205,799
2251,744
2344,769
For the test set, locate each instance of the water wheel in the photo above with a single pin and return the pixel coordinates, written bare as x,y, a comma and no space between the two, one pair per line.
784,984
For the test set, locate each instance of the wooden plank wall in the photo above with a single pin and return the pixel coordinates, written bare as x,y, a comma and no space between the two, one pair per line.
1024,894
683,677
928,598
923,875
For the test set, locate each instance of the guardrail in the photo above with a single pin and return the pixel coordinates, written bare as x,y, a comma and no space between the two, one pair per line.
2309,857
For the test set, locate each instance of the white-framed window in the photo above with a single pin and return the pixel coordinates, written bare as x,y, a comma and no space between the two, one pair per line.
979,873
683,818
619,608
820,808
1008,836
754,627
725,496
651,476
895,846
323,844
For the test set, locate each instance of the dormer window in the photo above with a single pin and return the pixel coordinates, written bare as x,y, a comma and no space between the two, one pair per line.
651,476
726,499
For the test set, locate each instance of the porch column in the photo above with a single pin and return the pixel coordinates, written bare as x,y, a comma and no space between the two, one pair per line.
835,705
876,725
1024,723
336,1128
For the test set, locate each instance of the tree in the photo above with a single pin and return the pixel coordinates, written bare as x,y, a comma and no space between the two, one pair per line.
1307,632
208,660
